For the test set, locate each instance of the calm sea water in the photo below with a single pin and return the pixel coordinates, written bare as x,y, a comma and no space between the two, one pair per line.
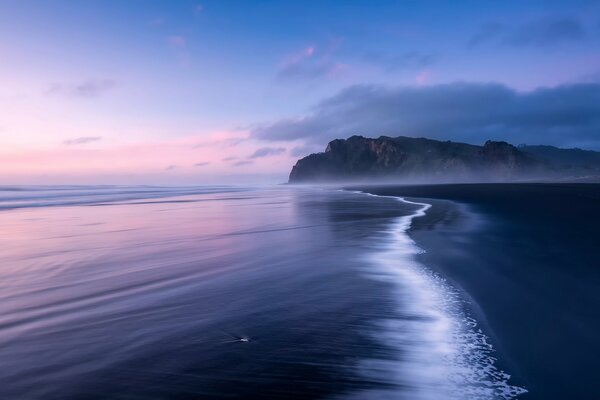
228,292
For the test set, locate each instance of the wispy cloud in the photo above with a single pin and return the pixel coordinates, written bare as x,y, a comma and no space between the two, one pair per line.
232,158
82,140
548,33
486,33
145,156
222,142
297,58
202,164
308,64
545,32
423,77
300,151
395,62
242,163
593,77
267,151
86,89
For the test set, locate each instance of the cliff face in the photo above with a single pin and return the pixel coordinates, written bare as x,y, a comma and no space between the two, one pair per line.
412,159
565,158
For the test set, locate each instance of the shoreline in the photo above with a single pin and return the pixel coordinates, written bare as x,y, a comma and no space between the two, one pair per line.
461,348
461,357
527,266
448,226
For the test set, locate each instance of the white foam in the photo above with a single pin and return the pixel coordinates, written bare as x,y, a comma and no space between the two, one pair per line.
441,352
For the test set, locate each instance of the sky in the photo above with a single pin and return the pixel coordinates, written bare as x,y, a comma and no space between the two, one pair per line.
218,91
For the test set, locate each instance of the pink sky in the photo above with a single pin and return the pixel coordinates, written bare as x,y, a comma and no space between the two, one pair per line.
193,158
113,91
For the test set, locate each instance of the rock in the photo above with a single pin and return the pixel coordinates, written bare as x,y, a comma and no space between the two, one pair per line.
420,160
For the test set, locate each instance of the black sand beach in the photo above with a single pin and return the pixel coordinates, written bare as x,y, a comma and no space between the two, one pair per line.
526,256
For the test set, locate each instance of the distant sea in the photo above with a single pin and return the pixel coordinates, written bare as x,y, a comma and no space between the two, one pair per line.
140,292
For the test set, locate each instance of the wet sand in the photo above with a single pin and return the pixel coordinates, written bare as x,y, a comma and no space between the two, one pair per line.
526,256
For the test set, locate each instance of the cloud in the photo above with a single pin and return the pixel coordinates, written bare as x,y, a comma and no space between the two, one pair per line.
242,163
222,142
308,65
473,112
547,33
593,77
171,167
540,33
423,77
198,8
300,151
82,140
486,33
132,159
267,151
396,62
230,158
202,164
86,89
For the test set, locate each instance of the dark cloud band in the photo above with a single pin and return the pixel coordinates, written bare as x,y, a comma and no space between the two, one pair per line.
567,115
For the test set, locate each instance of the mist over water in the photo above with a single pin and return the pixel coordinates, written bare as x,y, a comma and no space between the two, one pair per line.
212,292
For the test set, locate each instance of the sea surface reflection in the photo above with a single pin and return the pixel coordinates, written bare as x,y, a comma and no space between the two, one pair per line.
202,293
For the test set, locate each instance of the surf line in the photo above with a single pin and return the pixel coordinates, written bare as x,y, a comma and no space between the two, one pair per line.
442,353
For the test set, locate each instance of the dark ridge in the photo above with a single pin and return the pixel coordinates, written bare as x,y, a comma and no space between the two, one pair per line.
407,159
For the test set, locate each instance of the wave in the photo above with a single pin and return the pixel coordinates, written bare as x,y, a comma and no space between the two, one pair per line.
441,351
12,197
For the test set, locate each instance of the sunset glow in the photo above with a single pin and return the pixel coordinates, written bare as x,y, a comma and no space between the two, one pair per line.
158,89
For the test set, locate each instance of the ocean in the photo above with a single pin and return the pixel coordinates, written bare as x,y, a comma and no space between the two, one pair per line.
113,292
